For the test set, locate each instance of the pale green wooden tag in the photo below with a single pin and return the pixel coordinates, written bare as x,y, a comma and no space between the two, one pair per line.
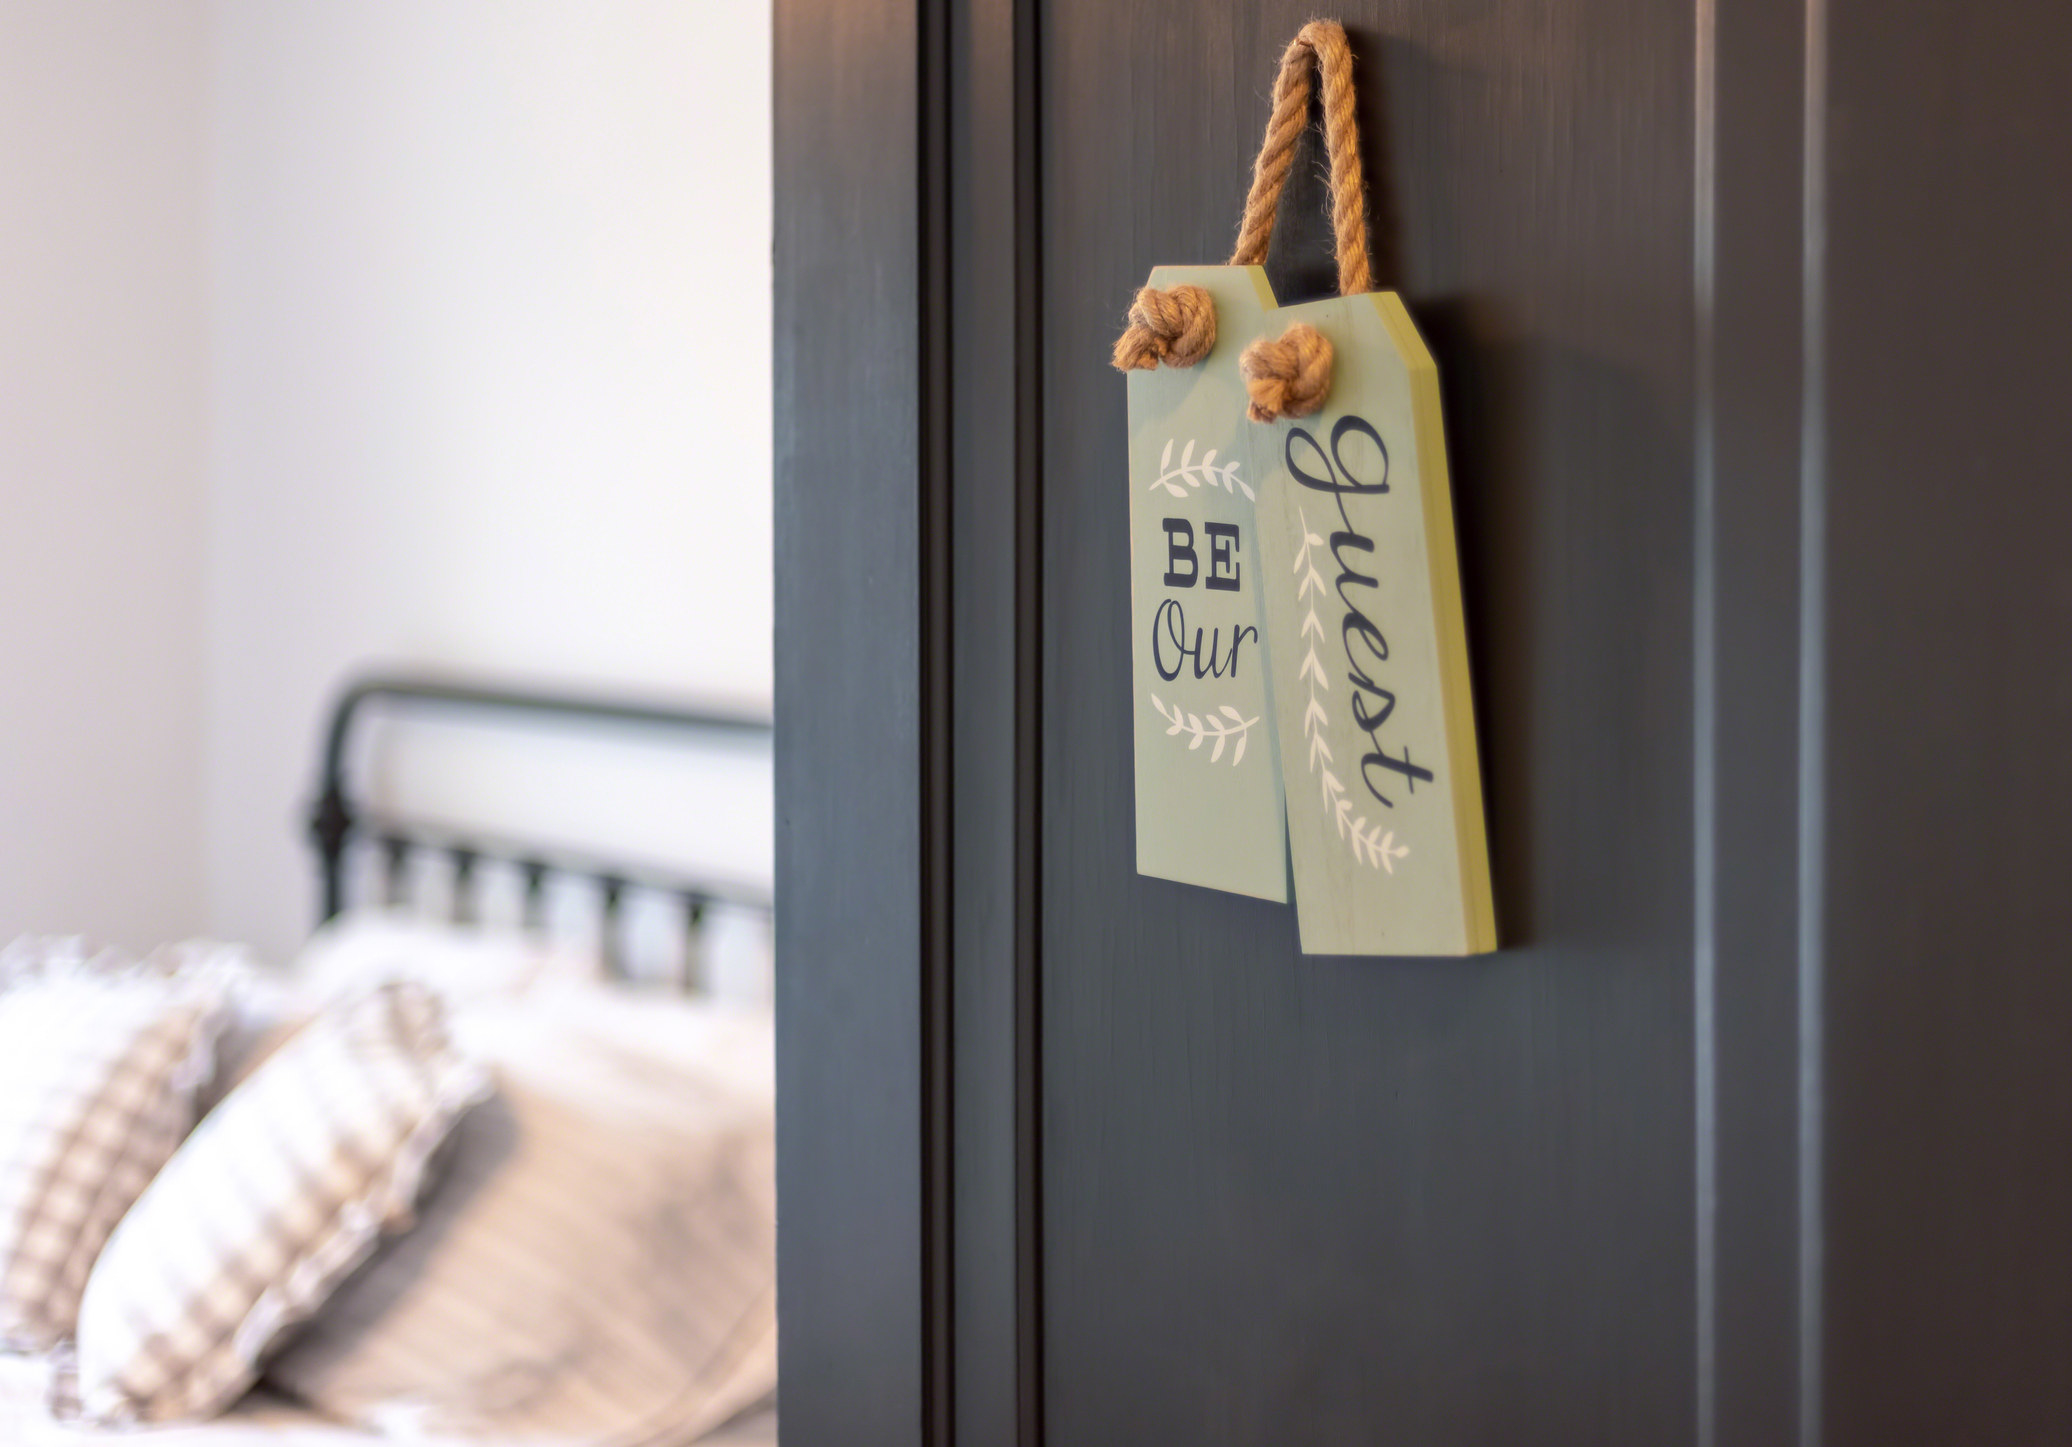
1209,807
1370,665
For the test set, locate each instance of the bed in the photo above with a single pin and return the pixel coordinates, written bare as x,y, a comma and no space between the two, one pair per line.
261,1417
621,1125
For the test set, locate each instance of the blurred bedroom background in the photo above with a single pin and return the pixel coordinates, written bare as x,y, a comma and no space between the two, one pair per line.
386,339
338,337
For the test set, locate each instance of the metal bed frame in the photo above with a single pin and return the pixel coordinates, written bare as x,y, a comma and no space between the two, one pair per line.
338,820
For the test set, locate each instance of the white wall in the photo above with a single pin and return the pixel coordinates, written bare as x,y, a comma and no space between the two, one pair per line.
102,331
337,334
489,387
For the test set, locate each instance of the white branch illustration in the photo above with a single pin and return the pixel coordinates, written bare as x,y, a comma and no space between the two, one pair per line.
1194,474
1370,844
1218,729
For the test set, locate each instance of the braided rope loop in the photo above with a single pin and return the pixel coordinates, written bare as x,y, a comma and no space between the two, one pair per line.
1321,41
1290,375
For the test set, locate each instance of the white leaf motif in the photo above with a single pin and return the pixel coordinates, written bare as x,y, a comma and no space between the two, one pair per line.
1223,727
1369,845
1195,473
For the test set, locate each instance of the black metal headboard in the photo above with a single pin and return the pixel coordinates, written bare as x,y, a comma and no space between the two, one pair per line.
338,821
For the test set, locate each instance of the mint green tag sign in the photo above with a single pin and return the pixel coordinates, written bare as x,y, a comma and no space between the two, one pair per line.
1370,663
1209,805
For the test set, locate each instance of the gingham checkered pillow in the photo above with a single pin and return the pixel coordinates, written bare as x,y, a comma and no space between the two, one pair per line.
280,1192
100,1061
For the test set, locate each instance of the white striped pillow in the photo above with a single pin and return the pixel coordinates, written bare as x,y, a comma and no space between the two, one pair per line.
598,1263
281,1191
100,1062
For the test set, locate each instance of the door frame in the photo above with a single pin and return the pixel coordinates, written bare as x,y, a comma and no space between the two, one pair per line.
908,673
858,614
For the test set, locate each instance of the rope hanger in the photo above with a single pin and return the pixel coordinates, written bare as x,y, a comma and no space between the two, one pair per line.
1324,41
1289,375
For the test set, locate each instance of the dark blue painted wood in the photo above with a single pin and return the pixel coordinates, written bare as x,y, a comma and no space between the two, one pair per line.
851,725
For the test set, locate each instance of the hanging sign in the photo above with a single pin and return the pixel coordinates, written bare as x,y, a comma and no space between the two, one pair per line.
1294,583
1209,807
1370,659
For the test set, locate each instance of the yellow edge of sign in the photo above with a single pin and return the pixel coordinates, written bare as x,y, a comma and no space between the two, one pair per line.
1443,558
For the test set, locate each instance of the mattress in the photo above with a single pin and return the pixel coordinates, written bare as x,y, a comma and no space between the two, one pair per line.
260,1420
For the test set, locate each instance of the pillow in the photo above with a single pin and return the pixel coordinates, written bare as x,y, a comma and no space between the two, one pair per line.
265,1013
598,1262
463,963
281,1190
364,947
100,1060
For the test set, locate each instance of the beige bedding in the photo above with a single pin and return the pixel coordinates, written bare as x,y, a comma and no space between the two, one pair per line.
595,1265
260,1420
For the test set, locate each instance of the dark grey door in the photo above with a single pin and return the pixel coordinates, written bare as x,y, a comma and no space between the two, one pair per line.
1346,1201
1759,1128
1756,349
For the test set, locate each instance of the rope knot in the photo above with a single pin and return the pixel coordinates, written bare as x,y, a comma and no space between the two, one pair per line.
1287,376
1176,327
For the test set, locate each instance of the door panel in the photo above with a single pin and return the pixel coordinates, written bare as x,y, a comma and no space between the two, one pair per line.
1300,1199
1947,625
1753,346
